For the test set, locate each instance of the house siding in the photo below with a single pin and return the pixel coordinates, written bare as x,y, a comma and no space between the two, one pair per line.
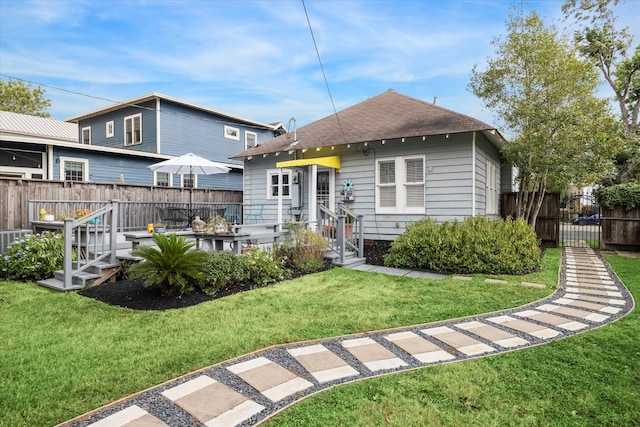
485,151
98,128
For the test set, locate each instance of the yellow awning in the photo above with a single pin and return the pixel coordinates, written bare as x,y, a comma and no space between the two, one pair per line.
330,161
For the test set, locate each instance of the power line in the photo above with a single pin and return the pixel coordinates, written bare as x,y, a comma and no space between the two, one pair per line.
323,73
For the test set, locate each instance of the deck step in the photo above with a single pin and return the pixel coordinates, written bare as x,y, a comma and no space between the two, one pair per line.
58,285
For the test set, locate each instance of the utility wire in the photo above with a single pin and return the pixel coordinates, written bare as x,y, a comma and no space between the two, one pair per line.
326,82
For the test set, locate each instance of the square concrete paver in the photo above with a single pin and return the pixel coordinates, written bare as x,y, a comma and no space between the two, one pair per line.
574,312
133,416
373,355
524,326
551,319
599,300
461,342
491,333
323,364
211,402
269,378
418,347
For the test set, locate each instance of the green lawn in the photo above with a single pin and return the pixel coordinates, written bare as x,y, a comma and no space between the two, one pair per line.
592,379
62,355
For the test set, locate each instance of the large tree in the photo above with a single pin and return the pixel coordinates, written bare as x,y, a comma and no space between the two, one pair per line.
544,96
611,50
18,97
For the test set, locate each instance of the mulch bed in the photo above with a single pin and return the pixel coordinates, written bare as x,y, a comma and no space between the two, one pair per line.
133,294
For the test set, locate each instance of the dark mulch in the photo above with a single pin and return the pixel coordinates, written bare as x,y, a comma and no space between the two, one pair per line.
133,294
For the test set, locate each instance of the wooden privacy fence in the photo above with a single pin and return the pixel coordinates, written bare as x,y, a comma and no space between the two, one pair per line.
548,222
621,228
16,193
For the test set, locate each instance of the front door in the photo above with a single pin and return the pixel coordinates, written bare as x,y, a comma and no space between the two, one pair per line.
324,188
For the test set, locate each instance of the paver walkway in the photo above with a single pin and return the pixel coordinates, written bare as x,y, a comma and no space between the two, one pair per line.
248,390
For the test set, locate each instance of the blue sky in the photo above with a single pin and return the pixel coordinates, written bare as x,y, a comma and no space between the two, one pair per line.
256,59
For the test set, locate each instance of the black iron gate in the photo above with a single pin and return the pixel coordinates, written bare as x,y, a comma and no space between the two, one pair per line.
580,220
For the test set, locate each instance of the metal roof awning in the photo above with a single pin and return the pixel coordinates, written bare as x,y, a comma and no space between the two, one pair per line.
330,161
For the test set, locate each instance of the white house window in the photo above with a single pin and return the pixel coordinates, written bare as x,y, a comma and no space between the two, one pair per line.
189,180
400,185
272,183
86,135
133,129
74,169
109,129
250,139
492,188
232,133
162,179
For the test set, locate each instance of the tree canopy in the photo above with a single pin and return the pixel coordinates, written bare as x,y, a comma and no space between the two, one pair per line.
611,51
18,97
544,95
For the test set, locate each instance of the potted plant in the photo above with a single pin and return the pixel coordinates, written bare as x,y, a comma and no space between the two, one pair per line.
348,227
160,227
217,224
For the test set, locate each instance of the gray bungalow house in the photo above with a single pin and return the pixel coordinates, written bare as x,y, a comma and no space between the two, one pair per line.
121,140
392,158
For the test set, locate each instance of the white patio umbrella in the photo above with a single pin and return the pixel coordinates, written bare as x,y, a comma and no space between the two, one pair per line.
192,164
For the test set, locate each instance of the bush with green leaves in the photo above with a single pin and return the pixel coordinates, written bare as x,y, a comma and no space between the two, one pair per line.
263,266
474,246
625,195
33,257
222,268
173,265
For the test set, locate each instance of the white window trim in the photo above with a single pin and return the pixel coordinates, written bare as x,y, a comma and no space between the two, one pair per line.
110,129
271,172
195,180
231,133
124,130
246,142
155,178
400,185
491,193
88,129
85,162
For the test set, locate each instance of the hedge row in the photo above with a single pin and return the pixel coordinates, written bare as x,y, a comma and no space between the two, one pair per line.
475,245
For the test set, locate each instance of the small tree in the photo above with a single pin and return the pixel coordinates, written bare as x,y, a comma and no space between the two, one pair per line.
18,97
544,95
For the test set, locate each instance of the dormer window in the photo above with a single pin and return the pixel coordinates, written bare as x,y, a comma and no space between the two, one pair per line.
86,135
250,139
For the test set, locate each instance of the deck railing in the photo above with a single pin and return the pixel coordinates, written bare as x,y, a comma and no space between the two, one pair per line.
342,230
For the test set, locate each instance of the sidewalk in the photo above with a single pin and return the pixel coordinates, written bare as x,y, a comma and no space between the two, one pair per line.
248,390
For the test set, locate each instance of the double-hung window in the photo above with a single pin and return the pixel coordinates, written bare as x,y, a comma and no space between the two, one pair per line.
163,179
109,129
86,135
491,188
400,185
74,169
272,183
133,129
250,139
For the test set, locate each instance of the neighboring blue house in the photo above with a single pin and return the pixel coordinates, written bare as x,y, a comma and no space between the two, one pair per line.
165,127
122,140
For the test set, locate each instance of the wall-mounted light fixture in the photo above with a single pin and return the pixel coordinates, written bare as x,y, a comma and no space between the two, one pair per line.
424,138
402,139
383,142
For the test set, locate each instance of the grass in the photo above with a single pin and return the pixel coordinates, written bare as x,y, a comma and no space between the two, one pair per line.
62,354
591,379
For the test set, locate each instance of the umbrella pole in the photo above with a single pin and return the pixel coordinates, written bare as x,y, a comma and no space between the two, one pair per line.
190,194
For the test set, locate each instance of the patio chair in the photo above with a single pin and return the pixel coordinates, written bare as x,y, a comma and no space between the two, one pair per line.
231,214
255,215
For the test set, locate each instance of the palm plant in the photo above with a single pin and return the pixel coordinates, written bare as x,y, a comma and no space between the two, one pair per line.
172,265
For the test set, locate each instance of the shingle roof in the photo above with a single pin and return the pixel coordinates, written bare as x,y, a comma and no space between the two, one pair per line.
390,115
22,124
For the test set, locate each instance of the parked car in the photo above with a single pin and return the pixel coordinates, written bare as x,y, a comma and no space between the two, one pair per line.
587,220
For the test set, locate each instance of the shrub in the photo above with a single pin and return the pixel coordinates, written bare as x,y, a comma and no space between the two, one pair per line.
33,257
263,267
626,195
308,251
475,245
173,266
222,268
